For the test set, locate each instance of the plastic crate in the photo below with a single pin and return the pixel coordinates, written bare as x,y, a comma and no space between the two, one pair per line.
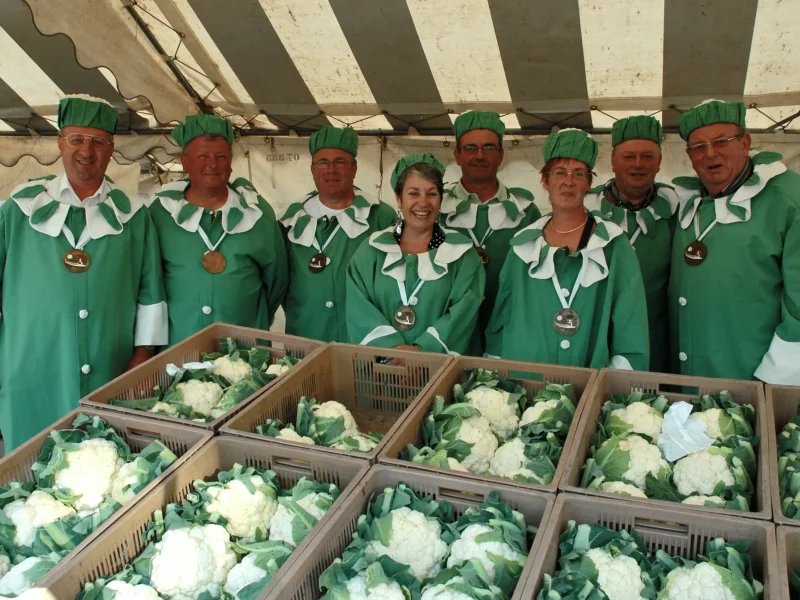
139,382
611,381
782,403
788,558
532,376
138,433
378,395
673,530
125,541
302,582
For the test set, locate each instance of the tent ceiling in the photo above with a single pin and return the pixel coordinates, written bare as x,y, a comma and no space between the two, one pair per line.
398,66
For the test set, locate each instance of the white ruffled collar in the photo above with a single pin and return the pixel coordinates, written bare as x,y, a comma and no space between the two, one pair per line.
433,264
506,210
301,217
735,208
41,201
663,207
239,213
529,244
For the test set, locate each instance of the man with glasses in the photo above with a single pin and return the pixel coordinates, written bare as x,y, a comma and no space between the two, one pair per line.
645,210
480,206
223,254
322,232
735,284
80,279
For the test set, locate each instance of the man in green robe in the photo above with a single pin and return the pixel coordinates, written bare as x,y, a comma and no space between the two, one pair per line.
735,284
480,207
645,210
221,247
81,292
322,231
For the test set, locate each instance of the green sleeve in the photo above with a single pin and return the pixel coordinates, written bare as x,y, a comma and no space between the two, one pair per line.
3,254
501,310
453,331
629,343
275,271
366,324
385,216
152,327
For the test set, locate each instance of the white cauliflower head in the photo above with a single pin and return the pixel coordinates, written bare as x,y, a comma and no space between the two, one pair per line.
90,472
290,435
466,548
644,458
232,370
355,442
281,529
277,370
710,418
128,475
702,582
245,512
191,561
477,431
533,413
35,511
200,396
620,577
243,574
416,541
126,591
622,488
357,588
164,409
702,500
494,406
699,472
23,576
334,410
642,418
509,461
445,591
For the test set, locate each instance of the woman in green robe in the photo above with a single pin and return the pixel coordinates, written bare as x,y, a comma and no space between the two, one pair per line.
415,285
571,292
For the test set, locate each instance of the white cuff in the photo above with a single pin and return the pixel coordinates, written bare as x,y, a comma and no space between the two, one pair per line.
781,363
152,325
379,332
619,362
431,331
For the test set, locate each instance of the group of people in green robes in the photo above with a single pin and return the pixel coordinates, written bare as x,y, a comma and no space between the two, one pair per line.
700,277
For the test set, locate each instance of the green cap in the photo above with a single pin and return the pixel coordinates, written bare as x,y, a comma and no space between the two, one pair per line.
709,113
86,111
571,143
415,158
334,137
196,125
638,127
478,119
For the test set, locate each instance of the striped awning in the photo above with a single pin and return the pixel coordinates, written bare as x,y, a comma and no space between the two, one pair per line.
398,66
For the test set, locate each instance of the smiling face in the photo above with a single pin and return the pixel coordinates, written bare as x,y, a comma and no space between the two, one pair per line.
635,164
718,164
85,152
479,166
419,202
207,161
334,172
565,185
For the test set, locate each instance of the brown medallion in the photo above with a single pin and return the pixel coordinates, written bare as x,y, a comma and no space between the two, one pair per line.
483,254
76,261
214,262
405,318
695,253
318,263
566,321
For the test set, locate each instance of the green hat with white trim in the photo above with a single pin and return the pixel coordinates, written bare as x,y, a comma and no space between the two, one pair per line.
478,119
343,138
637,127
711,112
196,125
80,110
415,158
571,143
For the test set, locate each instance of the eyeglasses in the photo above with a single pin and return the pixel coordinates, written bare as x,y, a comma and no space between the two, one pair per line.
76,140
718,144
473,148
337,164
578,175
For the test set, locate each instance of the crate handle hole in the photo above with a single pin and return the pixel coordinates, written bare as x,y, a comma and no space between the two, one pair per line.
144,437
655,526
461,496
292,464
683,390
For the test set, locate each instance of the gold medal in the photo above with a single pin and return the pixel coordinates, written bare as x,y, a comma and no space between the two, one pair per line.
76,261
695,253
214,262
318,263
405,318
483,254
566,321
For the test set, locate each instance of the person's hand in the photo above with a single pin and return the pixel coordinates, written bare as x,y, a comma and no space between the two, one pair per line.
140,354
401,362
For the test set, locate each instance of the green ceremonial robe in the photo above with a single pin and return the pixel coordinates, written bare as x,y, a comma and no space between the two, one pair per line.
253,284
613,327
315,302
650,232
63,334
737,315
446,304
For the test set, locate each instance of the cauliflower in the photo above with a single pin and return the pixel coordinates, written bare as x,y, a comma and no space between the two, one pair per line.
355,442
702,582
277,369
712,419
200,396
623,489
243,574
415,540
477,431
245,512
281,527
620,577
128,476
640,417
704,500
23,576
534,413
456,466
126,591
90,472
357,588
192,560
466,548
290,435
631,458
164,408
699,473
510,460
334,410
232,370
446,591
493,404
37,510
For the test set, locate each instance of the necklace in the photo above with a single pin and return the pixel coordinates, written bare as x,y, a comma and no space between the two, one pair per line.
569,231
